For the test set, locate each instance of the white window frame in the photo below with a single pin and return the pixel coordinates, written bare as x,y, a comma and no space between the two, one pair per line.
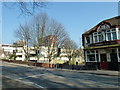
90,36
91,54
86,43
118,54
115,32
111,34
105,35
118,33
94,36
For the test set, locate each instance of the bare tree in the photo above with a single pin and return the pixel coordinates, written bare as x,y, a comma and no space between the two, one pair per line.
38,31
35,34
23,33
58,33
57,29
48,33
71,48
27,8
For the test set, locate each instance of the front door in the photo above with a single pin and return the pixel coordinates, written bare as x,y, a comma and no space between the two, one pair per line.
103,61
114,61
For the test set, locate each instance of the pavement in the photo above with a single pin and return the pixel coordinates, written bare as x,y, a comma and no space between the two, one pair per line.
97,72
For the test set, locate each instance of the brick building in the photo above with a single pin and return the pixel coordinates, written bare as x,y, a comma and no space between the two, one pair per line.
102,45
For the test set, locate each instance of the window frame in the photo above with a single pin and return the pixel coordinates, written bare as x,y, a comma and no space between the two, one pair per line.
91,52
107,35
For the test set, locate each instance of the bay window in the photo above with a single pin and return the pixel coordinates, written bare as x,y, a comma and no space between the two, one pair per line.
110,34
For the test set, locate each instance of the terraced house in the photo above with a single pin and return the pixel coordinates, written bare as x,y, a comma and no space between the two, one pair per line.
102,45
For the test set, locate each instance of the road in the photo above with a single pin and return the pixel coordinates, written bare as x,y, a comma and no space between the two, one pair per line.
23,76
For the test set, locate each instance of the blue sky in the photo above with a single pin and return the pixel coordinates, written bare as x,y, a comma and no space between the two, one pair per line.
77,17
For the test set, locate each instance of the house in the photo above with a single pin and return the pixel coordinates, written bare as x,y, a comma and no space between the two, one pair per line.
8,50
70,56
102,45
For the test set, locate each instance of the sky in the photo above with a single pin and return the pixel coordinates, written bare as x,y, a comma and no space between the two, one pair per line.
77,17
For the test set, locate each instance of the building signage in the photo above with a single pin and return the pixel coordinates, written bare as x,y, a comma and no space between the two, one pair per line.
106,43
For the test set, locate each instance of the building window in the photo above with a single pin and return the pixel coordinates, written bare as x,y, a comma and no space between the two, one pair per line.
111,34
91,38
95,37
114,35
88,39
100,36
91,55
103,27
119,33
108,36
20,56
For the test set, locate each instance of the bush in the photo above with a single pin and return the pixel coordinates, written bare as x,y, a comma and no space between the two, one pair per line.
13,57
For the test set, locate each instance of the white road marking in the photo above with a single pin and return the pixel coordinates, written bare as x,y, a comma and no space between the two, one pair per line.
28,83
38,85
31,76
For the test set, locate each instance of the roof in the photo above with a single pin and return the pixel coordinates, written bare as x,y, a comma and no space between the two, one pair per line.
115,21
9,45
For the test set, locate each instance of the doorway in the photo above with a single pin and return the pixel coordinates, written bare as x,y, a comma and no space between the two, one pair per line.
103,62
114,61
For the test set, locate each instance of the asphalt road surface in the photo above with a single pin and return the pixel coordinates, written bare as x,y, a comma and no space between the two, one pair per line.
23,76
